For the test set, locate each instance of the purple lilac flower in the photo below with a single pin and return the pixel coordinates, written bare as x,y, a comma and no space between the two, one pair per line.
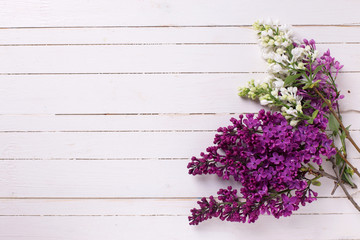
267,157
324,77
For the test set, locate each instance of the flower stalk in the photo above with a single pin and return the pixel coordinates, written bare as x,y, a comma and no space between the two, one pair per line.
347,133
345,160
340,183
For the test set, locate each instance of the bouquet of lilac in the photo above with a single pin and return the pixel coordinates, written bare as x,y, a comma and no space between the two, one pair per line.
277,156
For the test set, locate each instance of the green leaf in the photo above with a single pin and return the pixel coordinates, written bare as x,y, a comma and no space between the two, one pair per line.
303,169
291,79
289,48
311,119
316,83
317,69
338,159
311,166
347,179
316,183
306,104
307,77
349,170
333,124
308,85
343,137
314,114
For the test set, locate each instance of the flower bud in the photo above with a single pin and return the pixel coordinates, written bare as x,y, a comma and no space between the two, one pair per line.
301,65
299,108
294,122
280,51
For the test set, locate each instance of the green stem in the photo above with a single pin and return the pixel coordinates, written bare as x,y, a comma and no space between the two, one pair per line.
351,199
347,133
345,160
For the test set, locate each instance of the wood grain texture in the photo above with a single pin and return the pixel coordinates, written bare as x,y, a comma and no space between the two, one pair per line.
116,179
166,35
130,144
102,103
43,13
140,93
149,58
176,227
137,122
61,207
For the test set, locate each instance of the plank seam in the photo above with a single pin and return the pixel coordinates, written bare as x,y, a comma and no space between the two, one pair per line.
177,26
95,159
129,198
141,73
147,44
149,215
121,131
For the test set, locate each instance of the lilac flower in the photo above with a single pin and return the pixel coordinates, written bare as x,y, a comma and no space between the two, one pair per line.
276,158
325,79
268,158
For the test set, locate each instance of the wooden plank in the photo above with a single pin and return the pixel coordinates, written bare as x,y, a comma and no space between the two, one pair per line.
141,207
136,122
138,58
172,122
149,58
36,13
170,35
73,145
103,144
116,179
139,93
122,93
78,228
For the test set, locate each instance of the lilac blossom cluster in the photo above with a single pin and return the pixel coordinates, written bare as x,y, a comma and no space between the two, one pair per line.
322,69
294,69
300,83
316,84
269,158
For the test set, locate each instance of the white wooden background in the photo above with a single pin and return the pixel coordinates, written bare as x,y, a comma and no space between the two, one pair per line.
102,103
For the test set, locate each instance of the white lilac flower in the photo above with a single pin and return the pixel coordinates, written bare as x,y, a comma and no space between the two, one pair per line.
278,83
299,107
297,53
294,122
265,102
290,94
276,68
291,111
276,42
280,51
264,34
267,55
281,58
270,32
285,44
267,79
315,55
300,65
